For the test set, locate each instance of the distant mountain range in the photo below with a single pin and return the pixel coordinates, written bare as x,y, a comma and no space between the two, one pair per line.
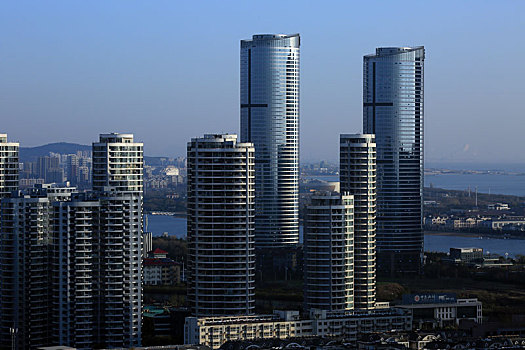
30,154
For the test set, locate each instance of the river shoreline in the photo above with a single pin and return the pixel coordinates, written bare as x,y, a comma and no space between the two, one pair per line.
475,235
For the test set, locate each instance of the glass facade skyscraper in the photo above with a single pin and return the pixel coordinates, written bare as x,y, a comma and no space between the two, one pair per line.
393,111
270,120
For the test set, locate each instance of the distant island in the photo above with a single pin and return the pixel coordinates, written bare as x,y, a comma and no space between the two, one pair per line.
441,171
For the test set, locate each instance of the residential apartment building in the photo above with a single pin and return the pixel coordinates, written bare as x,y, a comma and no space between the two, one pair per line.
358,178
329,252
71,263
221,215
118,162
24,276
215,331
97,251
8,166
60,252
159,270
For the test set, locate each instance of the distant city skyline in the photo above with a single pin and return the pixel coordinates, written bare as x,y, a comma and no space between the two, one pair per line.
170,71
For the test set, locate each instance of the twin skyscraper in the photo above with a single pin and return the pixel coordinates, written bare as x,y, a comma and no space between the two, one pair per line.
256,178
392,111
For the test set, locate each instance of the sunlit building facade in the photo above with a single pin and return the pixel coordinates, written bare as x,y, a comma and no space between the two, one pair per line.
8,166
358,178
118,162
270,120
221,220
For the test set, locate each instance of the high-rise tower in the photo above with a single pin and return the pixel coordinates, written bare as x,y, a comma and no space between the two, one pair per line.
24,296
118,162
97,251
59,252
270,120
118,165
8,166
358,178
221,238
393,111
329,252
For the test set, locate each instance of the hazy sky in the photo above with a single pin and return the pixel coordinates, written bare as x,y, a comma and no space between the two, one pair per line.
169,70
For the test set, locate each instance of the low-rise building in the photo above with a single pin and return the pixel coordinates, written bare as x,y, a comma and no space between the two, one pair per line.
165,321
159,270
507,224
459,223
498,206
466,255
439,310
215,331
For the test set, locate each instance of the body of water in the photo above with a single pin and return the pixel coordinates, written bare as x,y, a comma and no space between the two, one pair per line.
176,226
173,225
443,243
485,183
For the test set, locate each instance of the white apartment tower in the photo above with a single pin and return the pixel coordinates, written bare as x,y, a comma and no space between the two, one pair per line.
118,165
358,178
221,219
8,166
118,162
328,252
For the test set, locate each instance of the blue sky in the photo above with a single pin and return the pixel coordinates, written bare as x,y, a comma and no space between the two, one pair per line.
169,70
